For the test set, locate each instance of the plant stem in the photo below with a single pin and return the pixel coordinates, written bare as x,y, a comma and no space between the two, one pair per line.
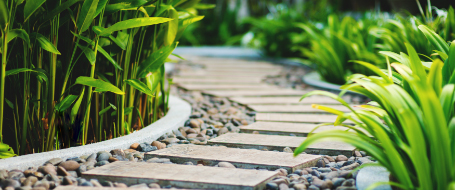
2,83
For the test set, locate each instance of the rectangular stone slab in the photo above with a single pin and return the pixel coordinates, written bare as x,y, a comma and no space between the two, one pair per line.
222,86
277,142
294,108
217,80
70,187
280,128
257,92
283,100
241,158
298,118
184,176
224,74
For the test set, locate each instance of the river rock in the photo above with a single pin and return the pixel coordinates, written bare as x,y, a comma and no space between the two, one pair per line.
134,146
54,161
225,165
341,158
70,165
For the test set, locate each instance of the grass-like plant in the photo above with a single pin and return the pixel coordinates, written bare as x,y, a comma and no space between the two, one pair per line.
411,117
76,72
337,43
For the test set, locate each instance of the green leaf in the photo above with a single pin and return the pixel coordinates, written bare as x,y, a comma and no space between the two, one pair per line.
171,27
154,61
65,103
89,53
133,23
101,50
99,8
64,6
10,104
137,84
99,84
86,15
44,43
76,106
204,6
31,6
19,70
104,110
5,150
449,64
18,33
128,110
4,12
434,76
436,40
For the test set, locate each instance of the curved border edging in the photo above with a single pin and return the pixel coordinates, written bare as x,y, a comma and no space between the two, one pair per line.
314,79
179,112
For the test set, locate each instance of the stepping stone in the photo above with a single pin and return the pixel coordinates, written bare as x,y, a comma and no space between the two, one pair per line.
284,100
70,187
241,158
298,118
225,74
183,176
278,128
257,92
277,142
253,69
228,80
222,86
294,108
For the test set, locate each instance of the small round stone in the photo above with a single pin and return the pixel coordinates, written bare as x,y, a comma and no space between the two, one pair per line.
70,165
225,165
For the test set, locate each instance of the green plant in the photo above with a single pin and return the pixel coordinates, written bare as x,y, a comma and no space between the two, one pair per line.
79,71
411,117
334,45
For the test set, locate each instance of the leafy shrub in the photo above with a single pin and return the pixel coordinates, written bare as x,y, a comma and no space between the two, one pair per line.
411,117
76,72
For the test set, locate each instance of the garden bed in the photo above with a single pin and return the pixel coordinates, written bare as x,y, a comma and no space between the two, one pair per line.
179,111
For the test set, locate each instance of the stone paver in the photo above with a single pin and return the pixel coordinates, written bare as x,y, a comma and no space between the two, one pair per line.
225,74
279,128
184,176
70,187
257,92
229,80
277,142
294,108
298,118
223,86
283,100
241,158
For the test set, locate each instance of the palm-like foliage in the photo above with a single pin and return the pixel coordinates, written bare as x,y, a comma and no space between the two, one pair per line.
410,117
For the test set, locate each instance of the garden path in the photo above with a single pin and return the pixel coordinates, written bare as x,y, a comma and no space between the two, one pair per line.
282,123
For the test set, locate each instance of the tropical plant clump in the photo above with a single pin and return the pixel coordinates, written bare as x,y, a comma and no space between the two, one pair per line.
77,72
410,118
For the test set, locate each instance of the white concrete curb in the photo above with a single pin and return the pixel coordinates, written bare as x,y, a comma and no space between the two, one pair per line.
178,113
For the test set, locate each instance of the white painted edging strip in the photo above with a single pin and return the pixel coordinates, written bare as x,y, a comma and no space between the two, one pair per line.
178,113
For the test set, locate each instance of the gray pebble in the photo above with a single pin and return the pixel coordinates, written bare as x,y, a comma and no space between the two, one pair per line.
101,163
